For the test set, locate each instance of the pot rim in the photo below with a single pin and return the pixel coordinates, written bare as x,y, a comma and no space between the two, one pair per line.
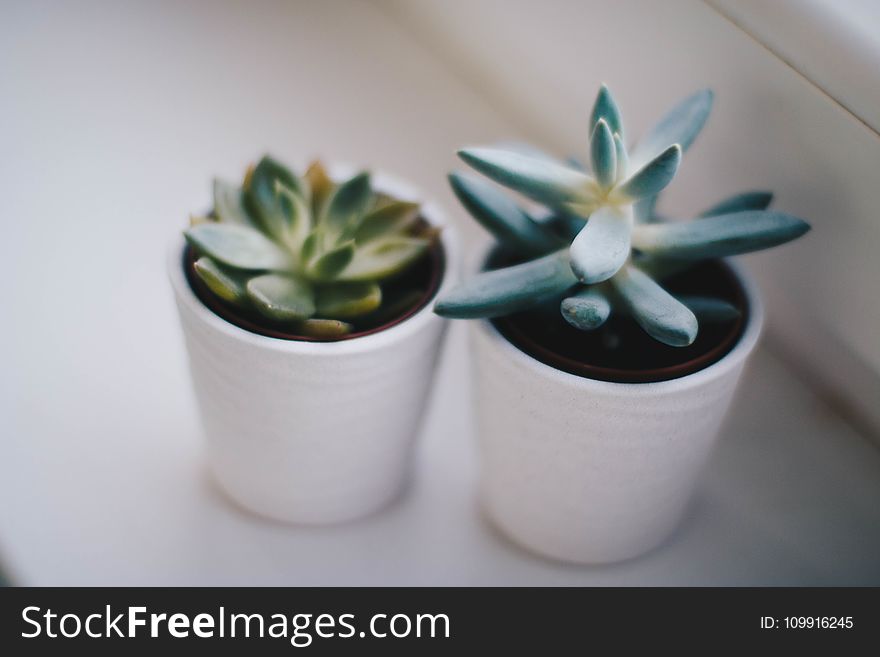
738,353
382,182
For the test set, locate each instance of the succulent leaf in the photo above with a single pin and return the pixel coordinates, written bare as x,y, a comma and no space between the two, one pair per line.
680,125
347,300
757,200
537,179
324,328
587,309
310,248
391,218
320,185
228,204
606,108
382,258
603,154
248,179
350,200
652,177
238,246
297,218
227,283
282,297
196,219
718,236
660,314
603,245
708,309
262,195
268,170
621,157
508,290
326,267
501,216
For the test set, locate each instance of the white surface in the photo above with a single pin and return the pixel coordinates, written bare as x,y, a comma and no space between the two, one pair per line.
589,471
114,119
314,432
771,128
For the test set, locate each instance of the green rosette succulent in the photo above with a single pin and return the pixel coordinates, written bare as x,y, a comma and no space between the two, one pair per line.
601,247
305,253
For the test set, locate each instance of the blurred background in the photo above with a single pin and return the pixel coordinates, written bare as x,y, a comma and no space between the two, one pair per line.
114,117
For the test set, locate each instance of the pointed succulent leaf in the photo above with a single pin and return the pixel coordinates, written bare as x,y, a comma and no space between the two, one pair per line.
709,309
248,179
347,300
268,170
621,157
757,200
501,216
228,204
262,195
382,258
504,291
660,314
587,309
680,125
603,245
297,218
653,177
327,266
324,328
537,179
603,154
350,200
606,108
310,248
226,282
320,186
238,246
282,297
390,218
718,236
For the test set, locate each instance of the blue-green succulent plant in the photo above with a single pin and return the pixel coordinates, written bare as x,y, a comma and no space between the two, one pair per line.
602,246
304,252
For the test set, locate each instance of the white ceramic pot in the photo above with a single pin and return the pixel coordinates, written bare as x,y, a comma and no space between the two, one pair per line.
312,432
589,471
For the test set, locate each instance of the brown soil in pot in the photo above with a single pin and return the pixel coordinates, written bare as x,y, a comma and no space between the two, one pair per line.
620,351
424,277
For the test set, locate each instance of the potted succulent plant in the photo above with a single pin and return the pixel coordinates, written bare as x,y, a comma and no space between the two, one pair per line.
611,339
305,304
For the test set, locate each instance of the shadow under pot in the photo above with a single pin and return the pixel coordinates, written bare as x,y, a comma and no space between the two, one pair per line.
591,443
310,431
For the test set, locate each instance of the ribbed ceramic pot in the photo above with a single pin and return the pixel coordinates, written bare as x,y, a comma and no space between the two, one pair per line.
312,432
590,471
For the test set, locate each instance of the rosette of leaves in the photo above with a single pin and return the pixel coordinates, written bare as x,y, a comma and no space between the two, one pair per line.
601,245
305,253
